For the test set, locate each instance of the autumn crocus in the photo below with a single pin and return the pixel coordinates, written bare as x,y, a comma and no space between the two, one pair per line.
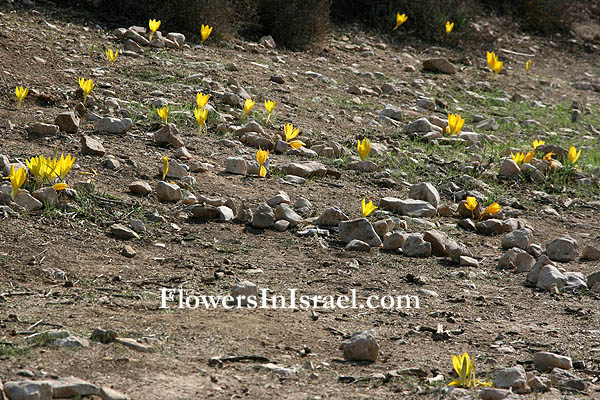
537,143
574,155
449,27
455,124
518,158
112,56
363,148
269,106
465,370
248,105
21,93
60,186
163,113
64,165
202,99
153,25
400,19
165,169
471,204
290,135
261,157
528,157
17,179
367,208
87,86
527,66
493,208
201,114
493,63
205,32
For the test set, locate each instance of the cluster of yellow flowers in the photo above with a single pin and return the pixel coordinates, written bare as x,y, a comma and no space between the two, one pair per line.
494,64
200,112
524,158
44,170
471,205
465,370
402,18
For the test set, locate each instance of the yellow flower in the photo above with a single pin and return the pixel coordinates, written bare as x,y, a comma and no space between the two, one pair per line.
63,166
60,186
400,19
537,143
201,114
518,158
527,66
261,157
548,156
455,124
163,113
205,31
364,148
493,63
153,25
21,93
493,208
528,157
87,87
290,132
165,167
574,155
471,203
248,105
269,106
202,99
367,208
449,27
466,373
112,56
17,179
296,144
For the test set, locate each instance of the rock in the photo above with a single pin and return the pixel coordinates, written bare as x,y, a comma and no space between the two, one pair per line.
362,346
440,64
281,225
63,388
562,249
140,187
42,130
264,217
409,207
575,280
508,259
284,211
91,146
441,244
176,170
538,384
47,195
524,262
550,276
128,251
591,253
420,125
67,121
545,361
593,279
24,199
293,179
243,291
393,241
490,226
236,165
425,191
281,197
168,192
107,393
468,261
277,79
136,37
301,202
28,390
114,125
534,275
360,229
509,168
513,377
135,345
519,238
357,245
251,126
225,214
535,174
382,227
72,341
415,246
306,169
268,42
168,135
178,38
561,378
122,232
392,112
464,212
278,369
494,394
204,212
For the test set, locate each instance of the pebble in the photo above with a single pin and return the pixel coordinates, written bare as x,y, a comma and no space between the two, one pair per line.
425,191
415,246
91,146
513,377
42,130
140,187
439,64
122,232
263,217
67,122
236,165
168,192
362,346
360,229
113,125
562,249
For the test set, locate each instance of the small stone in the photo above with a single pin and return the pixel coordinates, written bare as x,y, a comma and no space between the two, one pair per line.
301,202
439,64
205,212
545,361
509,168
128,251
67,122
358,245
441,244
140,187
91,146
360,229
122,232
243,291
137,225
176,170
113,125
168,192
24,199
563,249
382,227
519,238
551,276
281,225
236,165
468,261
281,197
494,394
306,169
285,212
490,227
72,341
107,393
331,217
534,275
264,217
168,135
42,130
415,246
135,345
225,213
47,195
111,162
394,241
392,112
409,207
591,253
420,125
362,346
513,377
425,191
28,390
277,369
562,378
593,279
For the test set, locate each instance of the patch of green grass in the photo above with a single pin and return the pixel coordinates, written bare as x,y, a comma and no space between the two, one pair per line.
8,351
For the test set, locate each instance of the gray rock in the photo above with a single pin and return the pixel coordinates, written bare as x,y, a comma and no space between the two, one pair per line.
135,345
415,246
513,377
128,251
284,211
281,225
593,279
305,169
178,38
494,394
508,259
362,346
491,226
91,146
293,179
47,195
420,125
122,232
534,275
360,229
225,213
409,207
382,227
268,42
72,341
140,187
277,369
394,241
24,199
357,245
301,202
264,217
575,280
535,174
392,112
535,250
176,170
242,291
114,125
136,37
111,162
467,261
561,378
236,165
524,262
28,390
562,249
545,361
549,276
441,243
509,168
168,135
519,238
205,212
107,393
168,192
425,191
43,130
67,121
439,64
591,253
281,197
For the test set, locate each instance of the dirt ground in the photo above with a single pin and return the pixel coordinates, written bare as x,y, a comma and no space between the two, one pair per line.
64,268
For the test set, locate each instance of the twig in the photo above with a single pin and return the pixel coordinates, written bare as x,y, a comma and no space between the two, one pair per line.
516,53
218,361
34,325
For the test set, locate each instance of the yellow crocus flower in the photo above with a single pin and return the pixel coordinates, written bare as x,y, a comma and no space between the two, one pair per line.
367,208
21,93
261,157
153,25
87,86
17,179
400,19
205,32
248,105
455,124
202,99
574,155
112,56
163,113
449,27
165,167
364,148
201,115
